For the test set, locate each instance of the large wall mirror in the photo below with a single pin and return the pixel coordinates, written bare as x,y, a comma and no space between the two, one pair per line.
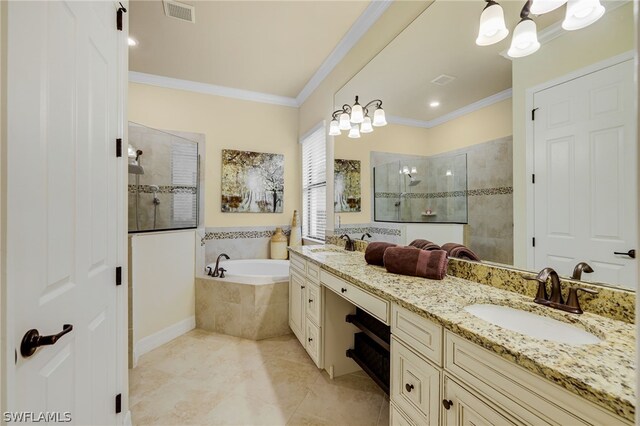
564,116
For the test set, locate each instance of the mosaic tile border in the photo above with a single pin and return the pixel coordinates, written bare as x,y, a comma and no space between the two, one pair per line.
503,190
163,189
370,229
239,235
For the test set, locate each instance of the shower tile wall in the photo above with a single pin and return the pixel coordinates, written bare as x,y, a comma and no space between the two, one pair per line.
249,242
156,160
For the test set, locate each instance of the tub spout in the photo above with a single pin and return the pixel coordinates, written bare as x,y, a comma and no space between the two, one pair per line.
216,270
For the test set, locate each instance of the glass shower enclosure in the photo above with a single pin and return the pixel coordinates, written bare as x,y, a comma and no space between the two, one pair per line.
163,180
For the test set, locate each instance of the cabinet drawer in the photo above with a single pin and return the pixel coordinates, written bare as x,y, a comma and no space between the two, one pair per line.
372,304
312,342
298,263
397,418
528,397
313,272
419,333
415,384
313,302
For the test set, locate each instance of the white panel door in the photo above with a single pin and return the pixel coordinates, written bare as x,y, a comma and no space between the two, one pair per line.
585,176
61,210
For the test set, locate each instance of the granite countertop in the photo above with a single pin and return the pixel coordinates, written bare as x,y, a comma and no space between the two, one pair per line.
603,373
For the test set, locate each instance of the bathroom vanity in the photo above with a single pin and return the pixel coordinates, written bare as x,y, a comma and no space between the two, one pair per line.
447,365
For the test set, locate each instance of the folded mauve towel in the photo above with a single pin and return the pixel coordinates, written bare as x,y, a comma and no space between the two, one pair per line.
412,261
460,251
424,245
374,252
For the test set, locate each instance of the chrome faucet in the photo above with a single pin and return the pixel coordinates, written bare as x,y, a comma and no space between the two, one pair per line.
349,245
216,270
555,300
579,269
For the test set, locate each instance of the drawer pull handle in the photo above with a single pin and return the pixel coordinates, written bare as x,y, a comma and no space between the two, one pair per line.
310,300
302,286
447,404
344,290
408,387
310,340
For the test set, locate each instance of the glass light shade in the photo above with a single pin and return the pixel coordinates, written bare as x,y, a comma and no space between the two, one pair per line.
354,133
405,170
492,26
357,116
379,119
345,124
365,127
414,170
525,39
539,7
334,128
449,173
131,152
582,13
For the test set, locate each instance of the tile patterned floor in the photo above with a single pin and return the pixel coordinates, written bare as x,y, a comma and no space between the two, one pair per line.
207,378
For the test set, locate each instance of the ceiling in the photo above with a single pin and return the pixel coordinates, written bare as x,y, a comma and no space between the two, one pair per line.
272,47
440,41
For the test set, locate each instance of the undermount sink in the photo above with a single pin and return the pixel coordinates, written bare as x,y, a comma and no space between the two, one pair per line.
532,325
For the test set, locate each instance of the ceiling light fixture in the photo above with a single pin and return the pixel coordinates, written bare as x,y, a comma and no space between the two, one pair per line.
349,117
492,26
132,41
525,36
582,13
434,104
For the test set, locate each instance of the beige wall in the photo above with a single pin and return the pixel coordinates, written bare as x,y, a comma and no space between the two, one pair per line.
3,187
227,124
162,275
613,35
484,125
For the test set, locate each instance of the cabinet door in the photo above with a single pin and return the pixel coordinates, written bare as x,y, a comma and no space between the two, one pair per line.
415,384
313,344
296,306
313,302
467,409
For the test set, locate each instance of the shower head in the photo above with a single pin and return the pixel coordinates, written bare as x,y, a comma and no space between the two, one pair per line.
135,169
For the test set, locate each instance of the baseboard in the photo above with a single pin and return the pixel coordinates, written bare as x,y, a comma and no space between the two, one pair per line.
163,336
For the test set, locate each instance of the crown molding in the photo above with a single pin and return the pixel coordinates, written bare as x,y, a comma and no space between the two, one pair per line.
555,30
482,103
370,15
210,89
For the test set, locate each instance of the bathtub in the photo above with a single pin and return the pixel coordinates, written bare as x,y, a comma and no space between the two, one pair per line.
254,271
251,301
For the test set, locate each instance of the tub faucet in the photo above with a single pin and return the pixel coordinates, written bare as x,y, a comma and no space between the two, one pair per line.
579,269
366,234
216,270
349,244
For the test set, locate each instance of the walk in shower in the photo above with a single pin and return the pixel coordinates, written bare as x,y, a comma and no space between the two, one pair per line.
163,180
421,189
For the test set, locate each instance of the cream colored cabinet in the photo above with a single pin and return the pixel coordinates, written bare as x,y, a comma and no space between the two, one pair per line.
477,386
305,306
296,304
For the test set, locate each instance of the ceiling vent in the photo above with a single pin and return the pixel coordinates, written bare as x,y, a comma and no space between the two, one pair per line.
184,12
443,80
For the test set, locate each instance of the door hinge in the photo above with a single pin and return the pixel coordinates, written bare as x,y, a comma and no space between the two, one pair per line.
118,147
118,403
533,241
533,178
533,114
121,10
119,275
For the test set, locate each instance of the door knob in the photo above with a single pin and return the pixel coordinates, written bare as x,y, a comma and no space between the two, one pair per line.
32,340
631,253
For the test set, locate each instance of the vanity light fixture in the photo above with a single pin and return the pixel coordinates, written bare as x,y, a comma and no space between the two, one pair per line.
540,7
492,26
356,119
582,13
434,104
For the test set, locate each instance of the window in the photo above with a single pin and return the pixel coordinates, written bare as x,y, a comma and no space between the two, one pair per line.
314,183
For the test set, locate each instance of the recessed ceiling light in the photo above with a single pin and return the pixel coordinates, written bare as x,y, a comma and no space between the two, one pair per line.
132,42
434,104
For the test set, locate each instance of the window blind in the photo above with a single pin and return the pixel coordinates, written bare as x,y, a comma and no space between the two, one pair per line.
314,184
